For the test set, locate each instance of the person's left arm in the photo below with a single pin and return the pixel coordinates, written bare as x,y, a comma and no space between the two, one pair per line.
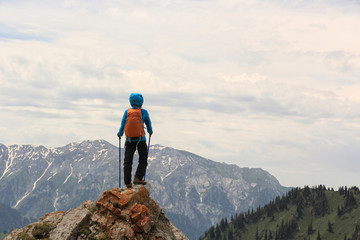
147,121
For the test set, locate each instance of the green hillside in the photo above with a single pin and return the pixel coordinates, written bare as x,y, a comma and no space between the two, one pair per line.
302,214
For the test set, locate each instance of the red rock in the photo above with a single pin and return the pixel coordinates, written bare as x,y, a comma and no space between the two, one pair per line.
110,217
140,216
88,204
143,192
116,193
136,228
117,212
102,201
120,230
136,217
140,237
139,208
100,220
124,200
113,199
125,215
145,224
110,207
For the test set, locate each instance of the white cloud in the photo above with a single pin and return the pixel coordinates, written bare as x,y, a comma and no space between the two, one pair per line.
259,83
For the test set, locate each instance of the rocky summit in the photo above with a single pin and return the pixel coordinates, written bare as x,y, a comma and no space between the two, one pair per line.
118,214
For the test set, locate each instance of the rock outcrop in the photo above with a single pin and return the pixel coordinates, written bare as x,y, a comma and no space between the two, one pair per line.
118,214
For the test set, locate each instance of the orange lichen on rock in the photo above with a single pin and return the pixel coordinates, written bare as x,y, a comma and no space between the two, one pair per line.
125,205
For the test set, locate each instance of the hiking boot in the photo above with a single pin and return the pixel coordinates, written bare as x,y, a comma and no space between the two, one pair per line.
138,181
129,185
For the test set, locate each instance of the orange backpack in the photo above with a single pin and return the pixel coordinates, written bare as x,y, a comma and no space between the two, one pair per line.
134,126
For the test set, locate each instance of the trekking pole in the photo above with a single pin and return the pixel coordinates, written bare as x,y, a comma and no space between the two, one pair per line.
119,162
147,154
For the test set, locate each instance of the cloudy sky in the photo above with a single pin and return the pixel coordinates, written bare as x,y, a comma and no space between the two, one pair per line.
259,83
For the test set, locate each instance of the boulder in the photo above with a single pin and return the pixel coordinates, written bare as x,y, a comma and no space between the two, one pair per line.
69,225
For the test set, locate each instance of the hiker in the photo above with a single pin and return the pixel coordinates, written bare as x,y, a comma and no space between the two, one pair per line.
133,125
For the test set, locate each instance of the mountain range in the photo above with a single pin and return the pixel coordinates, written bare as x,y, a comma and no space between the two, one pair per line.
195,192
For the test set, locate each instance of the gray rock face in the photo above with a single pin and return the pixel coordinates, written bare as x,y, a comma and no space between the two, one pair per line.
69,224
195,192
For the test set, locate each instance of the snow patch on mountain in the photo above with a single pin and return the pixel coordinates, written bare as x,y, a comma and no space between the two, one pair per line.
34,186
71,172
9,161
156,147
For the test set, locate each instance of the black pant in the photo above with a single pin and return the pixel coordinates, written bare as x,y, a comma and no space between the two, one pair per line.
130,148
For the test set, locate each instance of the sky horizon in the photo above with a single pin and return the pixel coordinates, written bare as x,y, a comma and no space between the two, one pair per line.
267,84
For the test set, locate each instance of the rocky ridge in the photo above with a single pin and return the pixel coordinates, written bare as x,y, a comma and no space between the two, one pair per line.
118,214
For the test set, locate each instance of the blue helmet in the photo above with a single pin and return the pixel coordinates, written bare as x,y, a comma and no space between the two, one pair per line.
136,100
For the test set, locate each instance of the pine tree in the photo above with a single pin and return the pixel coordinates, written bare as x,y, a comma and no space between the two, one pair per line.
237,234
339,211
223,225
217,232
341,191
212,232
266,235
356,234
350,200
299,210
230,234
257,234
318,236
270,235
306,192
321,205
330,228
310,229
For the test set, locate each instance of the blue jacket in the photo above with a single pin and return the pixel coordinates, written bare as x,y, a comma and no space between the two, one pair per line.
136,101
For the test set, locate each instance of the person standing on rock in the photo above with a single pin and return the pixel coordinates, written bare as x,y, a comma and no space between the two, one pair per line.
133,125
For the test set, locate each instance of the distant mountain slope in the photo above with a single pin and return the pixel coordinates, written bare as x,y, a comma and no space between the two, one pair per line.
203,190
195,192
303,214
10,218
